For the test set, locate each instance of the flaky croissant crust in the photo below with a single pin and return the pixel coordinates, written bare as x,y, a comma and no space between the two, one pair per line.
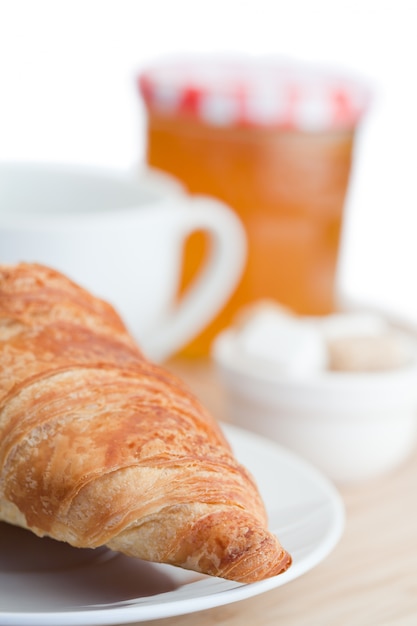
98,446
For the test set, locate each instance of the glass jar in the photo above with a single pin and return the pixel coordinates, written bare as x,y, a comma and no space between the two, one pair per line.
275,142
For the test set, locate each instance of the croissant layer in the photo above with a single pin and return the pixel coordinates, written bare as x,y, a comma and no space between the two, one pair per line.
99,446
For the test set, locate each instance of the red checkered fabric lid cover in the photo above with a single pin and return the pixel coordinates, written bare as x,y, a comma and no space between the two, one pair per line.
254,92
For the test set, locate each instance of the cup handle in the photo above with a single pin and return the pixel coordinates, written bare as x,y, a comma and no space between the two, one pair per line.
215,281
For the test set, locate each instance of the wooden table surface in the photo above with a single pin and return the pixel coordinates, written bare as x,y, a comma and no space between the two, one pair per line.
369,579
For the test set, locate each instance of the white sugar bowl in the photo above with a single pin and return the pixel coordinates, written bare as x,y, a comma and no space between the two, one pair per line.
353,425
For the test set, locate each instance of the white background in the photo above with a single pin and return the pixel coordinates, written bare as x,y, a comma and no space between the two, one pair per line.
68,94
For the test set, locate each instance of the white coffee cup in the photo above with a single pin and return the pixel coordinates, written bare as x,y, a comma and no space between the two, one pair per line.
122,237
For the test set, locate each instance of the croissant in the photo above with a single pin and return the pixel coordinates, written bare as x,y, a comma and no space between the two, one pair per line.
99,446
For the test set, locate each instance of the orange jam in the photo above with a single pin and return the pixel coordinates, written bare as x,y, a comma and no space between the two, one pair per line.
286,182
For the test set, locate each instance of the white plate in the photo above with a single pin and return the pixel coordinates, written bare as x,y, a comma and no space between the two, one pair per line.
43,582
